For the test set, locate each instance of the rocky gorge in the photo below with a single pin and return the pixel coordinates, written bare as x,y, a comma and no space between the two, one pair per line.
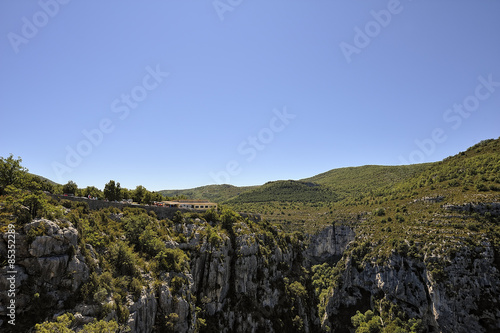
255,278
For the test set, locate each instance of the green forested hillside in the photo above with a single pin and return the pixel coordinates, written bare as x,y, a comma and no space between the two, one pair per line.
414,241
331,186
475,170
355,180
470,176
214,193
288,191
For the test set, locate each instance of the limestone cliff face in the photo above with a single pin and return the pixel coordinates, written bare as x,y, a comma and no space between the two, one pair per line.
253,281
143,312
49,266
239,281
329,244
463,299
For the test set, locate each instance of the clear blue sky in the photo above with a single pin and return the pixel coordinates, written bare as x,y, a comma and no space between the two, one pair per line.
178,94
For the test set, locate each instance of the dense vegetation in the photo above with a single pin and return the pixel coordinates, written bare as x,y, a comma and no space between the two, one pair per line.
214,193
355,181
350,192
129,251
13,174
287,191
430,213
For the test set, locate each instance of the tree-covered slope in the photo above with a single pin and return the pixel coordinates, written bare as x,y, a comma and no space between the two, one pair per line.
476,170
330,186
470,176
287,191
352,181
214,193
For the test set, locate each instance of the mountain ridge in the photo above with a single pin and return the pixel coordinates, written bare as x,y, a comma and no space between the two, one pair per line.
329,181
331,186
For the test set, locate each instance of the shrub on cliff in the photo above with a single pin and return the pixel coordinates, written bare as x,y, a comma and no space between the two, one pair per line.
172,260
150,243
228,218
296,290
11,172
134,226
66,322
124,259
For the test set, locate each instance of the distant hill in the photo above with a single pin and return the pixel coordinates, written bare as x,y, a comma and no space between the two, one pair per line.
476,170
214,193
354,180
357,182
469,176
331,186
45,179
288,191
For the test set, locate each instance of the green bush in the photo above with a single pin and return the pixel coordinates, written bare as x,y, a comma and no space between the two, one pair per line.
171,321
228,218
172,260
178,217
150,243
64,323
35,204
82,206
135,288
297,290
23,215
34,232
211,215
322,277
214,238
122,312
494,188
61,325
67,204
124,259
366,323
176,283
135,224
101,326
